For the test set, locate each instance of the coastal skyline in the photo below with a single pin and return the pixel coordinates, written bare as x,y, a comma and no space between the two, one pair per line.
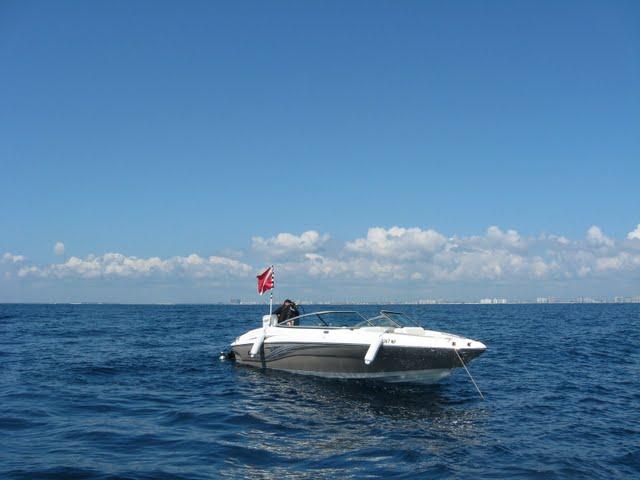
155,152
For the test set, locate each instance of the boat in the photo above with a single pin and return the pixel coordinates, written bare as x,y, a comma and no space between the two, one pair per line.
388,347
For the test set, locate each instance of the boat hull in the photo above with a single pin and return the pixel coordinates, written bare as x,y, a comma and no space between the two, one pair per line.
394,364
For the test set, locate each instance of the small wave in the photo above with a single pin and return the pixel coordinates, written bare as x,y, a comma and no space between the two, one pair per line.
630,459
12,423
56,473
145,397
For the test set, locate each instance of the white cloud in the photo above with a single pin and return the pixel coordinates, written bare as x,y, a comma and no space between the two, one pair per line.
556,238
58,248
357,267
317,265
11,258
635,234
288,244
596,238
427,256
119,265
397,242
584,271
510,238
494,238
414,257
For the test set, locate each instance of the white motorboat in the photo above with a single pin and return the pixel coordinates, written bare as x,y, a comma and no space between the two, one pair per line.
344,344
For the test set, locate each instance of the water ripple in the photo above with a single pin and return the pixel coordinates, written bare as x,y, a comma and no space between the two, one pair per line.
136,392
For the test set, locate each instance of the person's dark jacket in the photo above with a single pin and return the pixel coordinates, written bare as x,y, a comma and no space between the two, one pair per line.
287,311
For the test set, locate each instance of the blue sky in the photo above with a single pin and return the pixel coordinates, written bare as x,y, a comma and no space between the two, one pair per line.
157,129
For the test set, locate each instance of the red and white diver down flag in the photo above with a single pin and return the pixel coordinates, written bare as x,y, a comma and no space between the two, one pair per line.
266,281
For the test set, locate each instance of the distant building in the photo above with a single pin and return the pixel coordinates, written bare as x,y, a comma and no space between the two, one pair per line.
235,301
634,299
546,300
493,301
586,300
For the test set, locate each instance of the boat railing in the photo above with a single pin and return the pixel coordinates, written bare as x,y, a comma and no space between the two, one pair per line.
290,321
390,314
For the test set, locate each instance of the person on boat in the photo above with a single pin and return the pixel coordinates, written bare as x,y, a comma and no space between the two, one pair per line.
287,311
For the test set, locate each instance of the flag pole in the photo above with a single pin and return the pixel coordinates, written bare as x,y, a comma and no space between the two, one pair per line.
273,277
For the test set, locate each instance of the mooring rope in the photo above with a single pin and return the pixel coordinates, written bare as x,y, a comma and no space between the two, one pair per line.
468,373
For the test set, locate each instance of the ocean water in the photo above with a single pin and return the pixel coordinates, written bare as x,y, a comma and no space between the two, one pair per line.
113,391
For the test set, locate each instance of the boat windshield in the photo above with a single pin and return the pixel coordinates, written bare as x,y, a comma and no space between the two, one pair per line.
383,321
327,319
391,319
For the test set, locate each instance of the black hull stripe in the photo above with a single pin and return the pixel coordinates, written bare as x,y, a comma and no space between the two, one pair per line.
349,358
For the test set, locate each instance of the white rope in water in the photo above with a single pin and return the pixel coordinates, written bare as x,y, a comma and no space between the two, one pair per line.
469,373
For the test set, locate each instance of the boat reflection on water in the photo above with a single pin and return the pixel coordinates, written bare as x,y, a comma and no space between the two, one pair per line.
291,420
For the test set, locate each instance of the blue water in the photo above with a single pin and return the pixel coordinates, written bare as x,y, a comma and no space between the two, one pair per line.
110,391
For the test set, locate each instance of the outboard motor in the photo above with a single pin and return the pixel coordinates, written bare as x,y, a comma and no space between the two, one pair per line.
227,355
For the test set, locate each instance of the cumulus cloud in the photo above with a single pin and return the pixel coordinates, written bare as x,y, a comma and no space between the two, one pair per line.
556,238
288,243
510,238
397,242
357,267
58,248
11,258
425,256
596,238
415,256
635,234
119,265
